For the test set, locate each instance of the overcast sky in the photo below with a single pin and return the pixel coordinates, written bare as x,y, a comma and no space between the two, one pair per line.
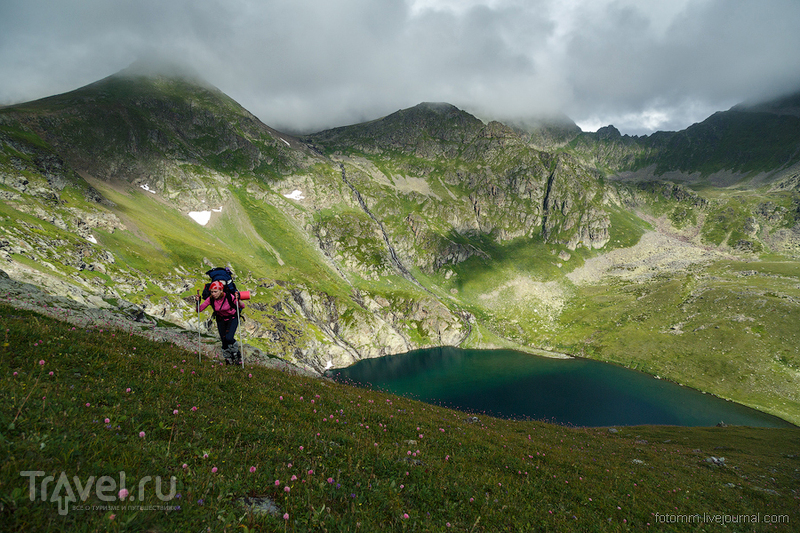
306,65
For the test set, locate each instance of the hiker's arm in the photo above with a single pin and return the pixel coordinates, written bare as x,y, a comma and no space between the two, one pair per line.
205,303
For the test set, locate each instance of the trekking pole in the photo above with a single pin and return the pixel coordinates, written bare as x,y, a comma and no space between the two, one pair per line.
197,306
241,354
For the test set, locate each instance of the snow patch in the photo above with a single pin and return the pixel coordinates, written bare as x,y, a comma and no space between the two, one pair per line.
287,142
91,239
295,195
147,188
203,217
329,365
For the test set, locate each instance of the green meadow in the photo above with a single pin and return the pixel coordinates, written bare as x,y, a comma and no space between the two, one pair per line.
97,403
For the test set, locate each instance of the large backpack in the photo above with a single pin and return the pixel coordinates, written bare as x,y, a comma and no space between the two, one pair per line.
224,276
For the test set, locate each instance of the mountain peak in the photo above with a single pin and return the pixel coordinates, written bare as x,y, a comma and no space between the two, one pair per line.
419,128
546,131
437,107
159,67
434,114
609,132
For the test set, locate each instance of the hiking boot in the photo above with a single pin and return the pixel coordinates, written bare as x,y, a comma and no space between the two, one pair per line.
234,353
227,354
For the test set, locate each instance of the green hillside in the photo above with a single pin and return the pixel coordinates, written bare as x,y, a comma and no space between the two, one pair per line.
264,450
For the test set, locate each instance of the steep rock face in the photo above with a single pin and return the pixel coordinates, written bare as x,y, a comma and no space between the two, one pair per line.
432,251
354,241
32,182
506,196
573,213
480,180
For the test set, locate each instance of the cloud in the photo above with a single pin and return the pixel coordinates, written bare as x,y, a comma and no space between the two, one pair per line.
705,57
310,64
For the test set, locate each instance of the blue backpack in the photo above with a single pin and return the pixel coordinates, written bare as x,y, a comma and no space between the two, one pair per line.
224,276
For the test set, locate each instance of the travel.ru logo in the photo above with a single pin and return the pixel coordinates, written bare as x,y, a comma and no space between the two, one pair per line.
106,489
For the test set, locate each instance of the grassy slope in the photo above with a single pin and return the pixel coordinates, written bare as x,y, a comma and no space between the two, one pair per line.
493,475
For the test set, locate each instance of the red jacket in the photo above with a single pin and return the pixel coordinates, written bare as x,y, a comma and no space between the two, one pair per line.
222,307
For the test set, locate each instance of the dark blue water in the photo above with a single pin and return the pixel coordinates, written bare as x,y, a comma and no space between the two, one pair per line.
578,392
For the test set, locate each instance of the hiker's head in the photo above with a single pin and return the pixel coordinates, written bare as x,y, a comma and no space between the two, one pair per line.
216,290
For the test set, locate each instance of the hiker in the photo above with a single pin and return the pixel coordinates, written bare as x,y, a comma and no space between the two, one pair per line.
224,305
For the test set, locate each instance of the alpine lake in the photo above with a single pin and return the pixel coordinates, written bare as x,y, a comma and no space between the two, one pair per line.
573,392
